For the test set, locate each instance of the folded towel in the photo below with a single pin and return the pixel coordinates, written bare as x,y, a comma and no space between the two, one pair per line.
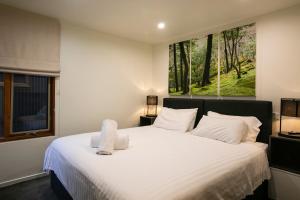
121,141
95,141
107,137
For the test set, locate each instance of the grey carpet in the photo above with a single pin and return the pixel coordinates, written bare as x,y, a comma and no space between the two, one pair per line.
37,189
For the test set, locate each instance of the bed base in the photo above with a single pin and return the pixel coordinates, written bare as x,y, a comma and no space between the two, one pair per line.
58,188
261,193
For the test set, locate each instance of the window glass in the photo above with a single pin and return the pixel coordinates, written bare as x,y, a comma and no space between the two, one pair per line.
1,104
30,107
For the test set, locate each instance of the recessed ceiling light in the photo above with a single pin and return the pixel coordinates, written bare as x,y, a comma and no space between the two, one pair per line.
161,25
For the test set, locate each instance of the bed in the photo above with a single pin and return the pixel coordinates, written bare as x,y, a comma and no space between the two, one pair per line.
163,164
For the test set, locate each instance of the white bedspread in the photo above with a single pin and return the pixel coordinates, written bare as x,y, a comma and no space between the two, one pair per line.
158,165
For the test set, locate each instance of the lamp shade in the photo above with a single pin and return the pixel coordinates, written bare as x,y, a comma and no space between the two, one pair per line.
290,107
152,100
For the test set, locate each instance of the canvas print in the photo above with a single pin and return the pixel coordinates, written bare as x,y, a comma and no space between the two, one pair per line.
179,68
238,61
194,64
204,66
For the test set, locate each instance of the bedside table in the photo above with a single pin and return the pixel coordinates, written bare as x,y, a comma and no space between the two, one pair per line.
285,168
285,153
146,120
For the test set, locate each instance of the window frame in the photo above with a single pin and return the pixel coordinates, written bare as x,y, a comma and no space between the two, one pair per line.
8,134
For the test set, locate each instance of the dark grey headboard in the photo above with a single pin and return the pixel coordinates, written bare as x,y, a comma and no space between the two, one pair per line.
260,109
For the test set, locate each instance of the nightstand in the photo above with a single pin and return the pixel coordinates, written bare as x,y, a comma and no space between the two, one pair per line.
285,168
146,120
285,153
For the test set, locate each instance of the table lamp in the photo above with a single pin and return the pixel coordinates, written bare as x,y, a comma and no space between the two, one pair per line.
290,108
152,102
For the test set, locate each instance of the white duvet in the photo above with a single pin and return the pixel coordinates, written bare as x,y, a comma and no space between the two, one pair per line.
158,165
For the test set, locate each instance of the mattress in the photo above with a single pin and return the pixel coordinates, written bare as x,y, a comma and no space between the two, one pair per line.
159,164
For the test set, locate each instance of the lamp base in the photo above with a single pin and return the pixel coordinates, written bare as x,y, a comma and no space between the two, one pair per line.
294,135
151,115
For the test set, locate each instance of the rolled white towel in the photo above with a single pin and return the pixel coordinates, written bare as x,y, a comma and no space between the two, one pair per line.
95,140
107,137
121,141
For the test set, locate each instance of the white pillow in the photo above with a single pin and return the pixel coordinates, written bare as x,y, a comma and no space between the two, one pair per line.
253,124
226,130
176,119
189,111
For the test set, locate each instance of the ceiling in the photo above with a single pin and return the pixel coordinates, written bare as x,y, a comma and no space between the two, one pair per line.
137,19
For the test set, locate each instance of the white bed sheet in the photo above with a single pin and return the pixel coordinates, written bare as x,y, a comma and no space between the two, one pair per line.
160,165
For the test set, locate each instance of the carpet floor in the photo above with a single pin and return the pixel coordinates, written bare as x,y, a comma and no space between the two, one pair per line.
37,189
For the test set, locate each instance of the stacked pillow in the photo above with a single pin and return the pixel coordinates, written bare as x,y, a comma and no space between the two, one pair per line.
252,123
226,130
180,120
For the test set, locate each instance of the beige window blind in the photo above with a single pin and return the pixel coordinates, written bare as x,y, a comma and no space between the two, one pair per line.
29,42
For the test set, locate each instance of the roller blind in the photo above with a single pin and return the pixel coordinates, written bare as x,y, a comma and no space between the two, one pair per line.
29,42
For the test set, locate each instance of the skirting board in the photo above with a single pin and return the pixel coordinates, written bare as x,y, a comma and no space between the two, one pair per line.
22,179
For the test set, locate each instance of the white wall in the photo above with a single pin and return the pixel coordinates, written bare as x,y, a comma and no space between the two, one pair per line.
160,70
278,54
102,76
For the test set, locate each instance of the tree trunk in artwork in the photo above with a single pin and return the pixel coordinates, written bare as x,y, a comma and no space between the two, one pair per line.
175,67
237,65
226,52
232,50
205,78
181,74
186,68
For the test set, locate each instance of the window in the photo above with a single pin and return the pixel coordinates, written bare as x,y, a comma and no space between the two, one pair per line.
26,106
1,104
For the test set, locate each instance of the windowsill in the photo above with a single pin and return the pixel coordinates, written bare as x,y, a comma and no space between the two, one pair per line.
27,136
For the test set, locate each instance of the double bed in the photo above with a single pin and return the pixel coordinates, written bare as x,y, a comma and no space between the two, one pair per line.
165,164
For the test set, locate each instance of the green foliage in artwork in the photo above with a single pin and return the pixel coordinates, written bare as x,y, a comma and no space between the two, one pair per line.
237,60
238,55
244,86
179,68
199,56
209,90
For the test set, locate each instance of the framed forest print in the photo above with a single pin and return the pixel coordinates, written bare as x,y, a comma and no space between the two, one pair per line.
220,64
238,61
204,66
179,68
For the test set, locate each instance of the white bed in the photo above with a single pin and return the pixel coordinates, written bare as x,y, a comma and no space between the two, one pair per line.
160,165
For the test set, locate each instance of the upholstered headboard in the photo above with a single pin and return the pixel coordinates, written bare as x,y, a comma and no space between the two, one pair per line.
260,109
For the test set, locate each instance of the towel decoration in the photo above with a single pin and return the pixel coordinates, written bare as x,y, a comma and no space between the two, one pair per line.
121,141
108,139
95,141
